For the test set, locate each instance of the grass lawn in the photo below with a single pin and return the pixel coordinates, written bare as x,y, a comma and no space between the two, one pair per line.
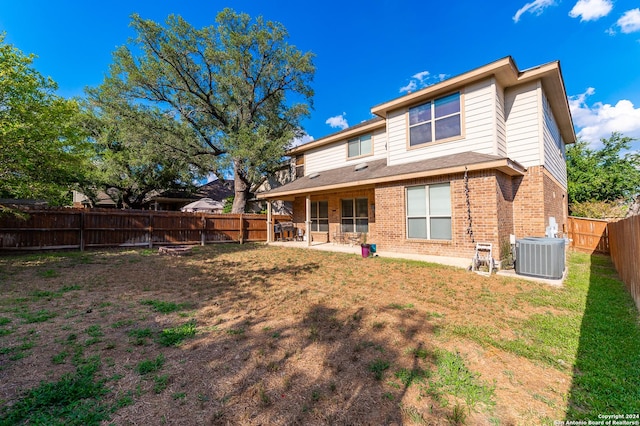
272,335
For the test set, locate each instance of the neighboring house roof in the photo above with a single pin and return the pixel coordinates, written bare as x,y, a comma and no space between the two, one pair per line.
169,196
203,205
22,202
102,199
378,172
217,189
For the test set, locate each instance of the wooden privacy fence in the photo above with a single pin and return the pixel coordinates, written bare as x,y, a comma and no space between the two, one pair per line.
588,235
84,228
624,238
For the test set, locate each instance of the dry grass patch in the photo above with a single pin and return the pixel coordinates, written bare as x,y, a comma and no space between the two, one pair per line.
264,335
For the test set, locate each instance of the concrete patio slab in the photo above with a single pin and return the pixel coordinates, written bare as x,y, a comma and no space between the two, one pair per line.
458,262
355,249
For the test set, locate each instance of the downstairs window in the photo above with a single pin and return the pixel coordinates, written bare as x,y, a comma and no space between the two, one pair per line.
429,212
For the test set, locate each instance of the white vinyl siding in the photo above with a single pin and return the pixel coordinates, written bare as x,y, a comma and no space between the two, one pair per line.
554,149
334,156
478,122
501,125
523,126
397,137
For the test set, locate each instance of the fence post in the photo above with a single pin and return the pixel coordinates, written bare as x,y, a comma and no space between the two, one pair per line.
241,229
203,229
82,231
150,230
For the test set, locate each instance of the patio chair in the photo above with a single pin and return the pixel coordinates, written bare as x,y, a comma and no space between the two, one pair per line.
355,238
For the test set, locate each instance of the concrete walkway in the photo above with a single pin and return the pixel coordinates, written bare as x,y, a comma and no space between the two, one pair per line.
345,248
458,262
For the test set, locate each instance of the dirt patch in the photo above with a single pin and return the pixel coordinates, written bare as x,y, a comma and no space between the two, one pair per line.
282,336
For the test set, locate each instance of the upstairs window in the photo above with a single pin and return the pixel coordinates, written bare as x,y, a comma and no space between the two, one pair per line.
360,146
435,120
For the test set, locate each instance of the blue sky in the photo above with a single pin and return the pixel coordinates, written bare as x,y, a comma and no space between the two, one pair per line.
370,52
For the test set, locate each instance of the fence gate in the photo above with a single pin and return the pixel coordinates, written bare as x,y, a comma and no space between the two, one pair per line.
589,235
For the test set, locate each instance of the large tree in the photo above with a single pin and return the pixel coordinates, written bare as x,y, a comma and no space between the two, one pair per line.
133,151
241,86
611,173
42,150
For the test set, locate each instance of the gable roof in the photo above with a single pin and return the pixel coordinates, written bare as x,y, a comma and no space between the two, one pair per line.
506,73
365,126
378,172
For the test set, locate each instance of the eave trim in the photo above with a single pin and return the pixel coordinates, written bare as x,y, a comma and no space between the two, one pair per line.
506,166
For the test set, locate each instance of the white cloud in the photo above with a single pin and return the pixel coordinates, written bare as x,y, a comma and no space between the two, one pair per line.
600,120
630,21
301,140
536,7
591,10
409,87
421,75
421,80
338,121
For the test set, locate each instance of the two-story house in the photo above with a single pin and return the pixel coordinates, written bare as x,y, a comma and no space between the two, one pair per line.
475,158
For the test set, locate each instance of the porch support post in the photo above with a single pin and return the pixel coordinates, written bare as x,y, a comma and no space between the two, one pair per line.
269,223
308,219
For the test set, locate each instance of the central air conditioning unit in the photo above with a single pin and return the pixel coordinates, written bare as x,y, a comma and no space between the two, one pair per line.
540,257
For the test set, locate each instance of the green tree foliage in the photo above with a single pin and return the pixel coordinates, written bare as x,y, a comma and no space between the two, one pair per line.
610,173
43,153
600,209
134,155
241,86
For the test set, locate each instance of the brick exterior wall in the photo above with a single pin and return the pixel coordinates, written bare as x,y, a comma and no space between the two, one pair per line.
537,197
485,223
528,204
501,205
505,195
556,202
